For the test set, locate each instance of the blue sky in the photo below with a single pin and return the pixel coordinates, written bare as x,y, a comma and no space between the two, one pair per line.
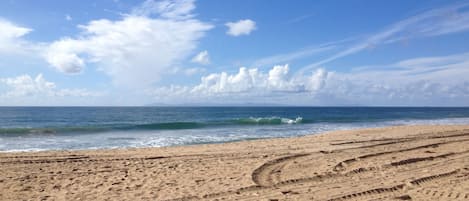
185,52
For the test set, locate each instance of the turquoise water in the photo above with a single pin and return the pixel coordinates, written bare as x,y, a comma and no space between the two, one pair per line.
57,128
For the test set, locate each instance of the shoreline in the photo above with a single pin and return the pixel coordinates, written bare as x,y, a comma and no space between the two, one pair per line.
124,149
236,141
274,168
46,138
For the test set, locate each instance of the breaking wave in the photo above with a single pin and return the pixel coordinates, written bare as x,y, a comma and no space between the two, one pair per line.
149,126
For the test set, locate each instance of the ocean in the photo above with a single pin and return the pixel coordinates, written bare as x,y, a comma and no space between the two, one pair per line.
76,128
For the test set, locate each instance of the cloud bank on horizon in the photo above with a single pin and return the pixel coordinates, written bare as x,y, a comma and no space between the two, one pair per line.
158,52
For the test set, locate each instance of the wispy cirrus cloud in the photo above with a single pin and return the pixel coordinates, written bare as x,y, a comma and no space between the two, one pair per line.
300,54
287,57
169,9
439,21
299,18
420,63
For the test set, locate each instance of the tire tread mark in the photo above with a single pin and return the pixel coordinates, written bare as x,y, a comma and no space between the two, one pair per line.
376,191
341,165
420,159
399,187
436,193
258,175
424,180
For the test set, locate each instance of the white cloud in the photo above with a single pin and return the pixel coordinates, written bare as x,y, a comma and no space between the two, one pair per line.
12,31
279,80
202,58
11,38
135,50
241,27
248,85
317,80
170,9
25,86
68,17
252,81
418,81
408,82
158,36
65,62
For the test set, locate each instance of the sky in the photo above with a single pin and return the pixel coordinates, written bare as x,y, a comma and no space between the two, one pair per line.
231,52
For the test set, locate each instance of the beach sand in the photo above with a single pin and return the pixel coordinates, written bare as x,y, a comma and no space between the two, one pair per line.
393,163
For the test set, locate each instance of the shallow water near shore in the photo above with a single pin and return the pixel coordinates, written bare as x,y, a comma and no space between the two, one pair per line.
59,128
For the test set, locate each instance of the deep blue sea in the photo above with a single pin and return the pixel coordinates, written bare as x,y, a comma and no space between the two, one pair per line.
58,128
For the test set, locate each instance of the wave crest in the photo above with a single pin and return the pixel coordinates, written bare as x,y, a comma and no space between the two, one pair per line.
269,120
149,126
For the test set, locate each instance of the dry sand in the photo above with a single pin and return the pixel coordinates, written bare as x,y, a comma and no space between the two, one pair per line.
394,163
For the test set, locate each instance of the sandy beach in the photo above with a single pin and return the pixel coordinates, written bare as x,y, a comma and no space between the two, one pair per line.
393,163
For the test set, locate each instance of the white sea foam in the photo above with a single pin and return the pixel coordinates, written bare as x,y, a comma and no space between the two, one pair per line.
270,120
291,121
160,138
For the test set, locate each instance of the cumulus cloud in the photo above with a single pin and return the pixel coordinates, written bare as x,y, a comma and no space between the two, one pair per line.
317,80
135,50
65,62
201,58
241,27
418,81
247,85
277,79
27,86
252,81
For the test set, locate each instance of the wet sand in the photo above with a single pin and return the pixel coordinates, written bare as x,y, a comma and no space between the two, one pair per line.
393,163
